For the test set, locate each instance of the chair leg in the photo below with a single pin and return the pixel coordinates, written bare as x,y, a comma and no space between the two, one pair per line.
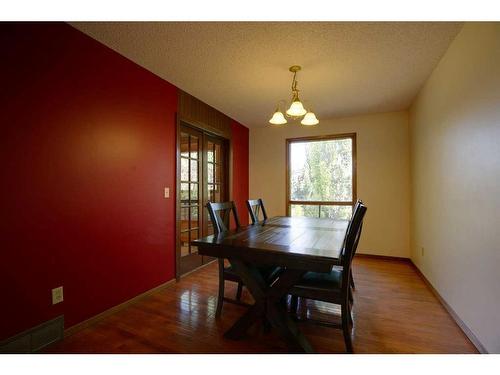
350,302
220,298
352,283
346,327
238,292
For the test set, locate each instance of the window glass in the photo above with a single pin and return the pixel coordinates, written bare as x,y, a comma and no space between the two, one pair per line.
321,170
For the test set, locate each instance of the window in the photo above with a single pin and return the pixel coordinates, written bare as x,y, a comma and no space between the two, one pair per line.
321,176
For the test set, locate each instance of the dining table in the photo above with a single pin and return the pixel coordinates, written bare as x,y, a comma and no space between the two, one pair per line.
295,244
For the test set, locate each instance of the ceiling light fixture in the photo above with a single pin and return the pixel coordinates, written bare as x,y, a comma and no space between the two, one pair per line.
296,109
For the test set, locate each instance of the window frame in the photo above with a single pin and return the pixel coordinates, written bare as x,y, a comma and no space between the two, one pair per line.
289,142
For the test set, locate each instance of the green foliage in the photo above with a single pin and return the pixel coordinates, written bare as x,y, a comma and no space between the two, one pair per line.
324,175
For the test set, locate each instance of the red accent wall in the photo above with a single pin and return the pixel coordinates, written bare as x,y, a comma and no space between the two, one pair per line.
240,169
87,146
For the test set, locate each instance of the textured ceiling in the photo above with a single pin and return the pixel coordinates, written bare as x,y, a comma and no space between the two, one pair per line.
241,68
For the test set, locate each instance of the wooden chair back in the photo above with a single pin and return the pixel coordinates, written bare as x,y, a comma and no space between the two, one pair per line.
255,206
355,208
353,235
220,214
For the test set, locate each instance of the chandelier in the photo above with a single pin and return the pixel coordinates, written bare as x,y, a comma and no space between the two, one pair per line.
296,110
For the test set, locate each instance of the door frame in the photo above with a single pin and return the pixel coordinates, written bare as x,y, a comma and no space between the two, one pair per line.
227,170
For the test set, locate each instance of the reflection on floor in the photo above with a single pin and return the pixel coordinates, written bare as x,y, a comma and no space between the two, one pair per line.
394,312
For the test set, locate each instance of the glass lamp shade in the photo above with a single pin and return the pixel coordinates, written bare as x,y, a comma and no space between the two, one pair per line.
296,109
309,119
278,118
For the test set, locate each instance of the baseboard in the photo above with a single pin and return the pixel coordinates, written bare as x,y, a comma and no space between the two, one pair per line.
96,318
460,323
383,257
34,339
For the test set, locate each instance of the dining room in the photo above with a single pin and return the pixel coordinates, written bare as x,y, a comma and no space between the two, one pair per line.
259,187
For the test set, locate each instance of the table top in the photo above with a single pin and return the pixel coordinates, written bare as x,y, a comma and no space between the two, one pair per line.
296,242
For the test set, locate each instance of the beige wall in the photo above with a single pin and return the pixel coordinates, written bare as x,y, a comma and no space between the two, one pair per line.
383,174
455,164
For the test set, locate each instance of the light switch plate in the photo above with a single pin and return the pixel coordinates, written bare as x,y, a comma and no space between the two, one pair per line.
57,295
166,192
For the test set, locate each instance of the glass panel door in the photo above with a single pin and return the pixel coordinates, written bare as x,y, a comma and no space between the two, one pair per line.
202,178
215,171
190,197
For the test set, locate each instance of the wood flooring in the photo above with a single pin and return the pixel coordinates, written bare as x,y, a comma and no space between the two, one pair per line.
394,312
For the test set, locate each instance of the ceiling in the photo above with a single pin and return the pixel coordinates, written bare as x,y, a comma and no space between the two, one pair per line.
241,68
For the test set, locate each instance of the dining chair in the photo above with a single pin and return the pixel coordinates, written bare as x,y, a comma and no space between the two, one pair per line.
294,300
220,214
353,286
255,206
335,287
356,206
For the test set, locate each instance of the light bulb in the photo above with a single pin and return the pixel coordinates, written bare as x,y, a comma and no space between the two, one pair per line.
296,109
278,118
309,119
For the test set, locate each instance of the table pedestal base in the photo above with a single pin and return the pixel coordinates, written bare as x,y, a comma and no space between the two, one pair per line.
268,305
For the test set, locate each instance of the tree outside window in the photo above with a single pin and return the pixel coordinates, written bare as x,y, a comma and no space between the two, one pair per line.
321,176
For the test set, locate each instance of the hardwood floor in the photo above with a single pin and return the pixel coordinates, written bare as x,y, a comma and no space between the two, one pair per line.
394,312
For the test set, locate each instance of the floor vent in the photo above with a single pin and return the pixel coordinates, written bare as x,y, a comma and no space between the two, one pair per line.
36,338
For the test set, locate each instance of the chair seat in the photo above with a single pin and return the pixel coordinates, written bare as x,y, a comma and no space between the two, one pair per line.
331,281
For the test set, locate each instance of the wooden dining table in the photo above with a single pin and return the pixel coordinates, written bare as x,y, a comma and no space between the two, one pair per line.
297,245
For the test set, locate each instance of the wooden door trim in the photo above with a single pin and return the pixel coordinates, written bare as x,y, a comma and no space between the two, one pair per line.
227,144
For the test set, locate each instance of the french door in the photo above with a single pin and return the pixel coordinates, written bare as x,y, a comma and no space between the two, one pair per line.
202,177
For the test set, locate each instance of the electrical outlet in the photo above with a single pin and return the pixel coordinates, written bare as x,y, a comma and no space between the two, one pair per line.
166,192
57,295
422,251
